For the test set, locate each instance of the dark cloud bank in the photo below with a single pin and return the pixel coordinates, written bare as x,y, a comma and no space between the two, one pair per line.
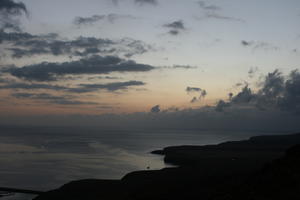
81,88
276,92
70,94
54,99
92,65
274,107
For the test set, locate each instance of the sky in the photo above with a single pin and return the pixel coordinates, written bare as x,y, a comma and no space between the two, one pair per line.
211,64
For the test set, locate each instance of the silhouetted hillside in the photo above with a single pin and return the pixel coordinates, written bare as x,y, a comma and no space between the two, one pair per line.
253,169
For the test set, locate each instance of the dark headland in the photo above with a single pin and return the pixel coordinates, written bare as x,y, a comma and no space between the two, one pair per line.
260,168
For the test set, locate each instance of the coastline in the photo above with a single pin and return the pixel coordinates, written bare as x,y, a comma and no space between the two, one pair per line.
202,172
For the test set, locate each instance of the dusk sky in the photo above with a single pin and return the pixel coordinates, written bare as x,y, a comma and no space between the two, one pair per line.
166,60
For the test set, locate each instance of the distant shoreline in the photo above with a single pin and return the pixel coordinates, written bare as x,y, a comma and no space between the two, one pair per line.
201,172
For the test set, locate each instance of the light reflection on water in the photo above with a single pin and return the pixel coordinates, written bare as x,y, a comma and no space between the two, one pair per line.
43,159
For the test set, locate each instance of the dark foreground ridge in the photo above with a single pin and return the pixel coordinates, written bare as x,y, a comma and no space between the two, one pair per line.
263,167
15,190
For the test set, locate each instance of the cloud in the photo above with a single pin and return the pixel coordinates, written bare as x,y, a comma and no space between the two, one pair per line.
221,105
81,88
252,71
212,12
175,27
14,36
19,53
9,11
138,2
11,7
115,2
276,92
245,43
211,7
112,87
255,45
186,67
240,121
18,38
61,100
278,97
82,46
93,65
202,93
112,17
104,77
193,89
244,96
143,2
88,20
213,15
155,109
31,45
9,24
182,67
25,44
32,86
274,106
134,47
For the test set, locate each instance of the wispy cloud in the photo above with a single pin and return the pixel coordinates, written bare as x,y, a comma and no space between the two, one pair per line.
25,44
183,67
138,2
255,45
209,7
201,93
175,27
79,88
112,17
53,99
143,2
222,17
88,20
212,11
112,87
252,71
32,86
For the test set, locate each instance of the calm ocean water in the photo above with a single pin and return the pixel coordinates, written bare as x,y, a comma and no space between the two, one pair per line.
45,158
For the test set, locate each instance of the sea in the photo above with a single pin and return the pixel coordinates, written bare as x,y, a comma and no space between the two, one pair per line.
45,158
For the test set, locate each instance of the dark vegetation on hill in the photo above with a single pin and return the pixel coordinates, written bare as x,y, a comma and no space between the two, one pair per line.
261,168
